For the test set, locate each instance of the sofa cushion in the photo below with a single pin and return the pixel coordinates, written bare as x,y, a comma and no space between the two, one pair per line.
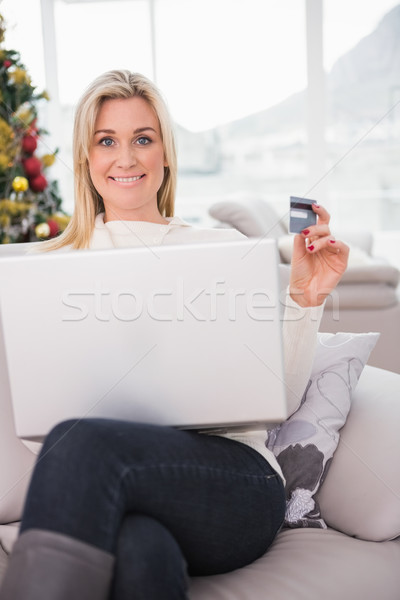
16,460
253,218
361,296
8,536
310,564
305,443
302,564
377,271
361,493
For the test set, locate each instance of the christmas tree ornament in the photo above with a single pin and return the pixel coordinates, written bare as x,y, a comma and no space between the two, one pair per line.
42,231
32,166
29,144
19,77
20,184
61,219
54,227
38,183
48,159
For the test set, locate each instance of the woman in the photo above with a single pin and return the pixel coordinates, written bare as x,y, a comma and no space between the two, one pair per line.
121,510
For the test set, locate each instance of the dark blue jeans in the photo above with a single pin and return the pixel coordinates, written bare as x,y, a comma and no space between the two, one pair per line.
164,501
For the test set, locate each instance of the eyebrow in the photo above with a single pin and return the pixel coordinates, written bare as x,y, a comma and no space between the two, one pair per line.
136,131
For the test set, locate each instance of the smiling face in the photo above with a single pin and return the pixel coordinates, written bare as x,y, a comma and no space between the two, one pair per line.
126,160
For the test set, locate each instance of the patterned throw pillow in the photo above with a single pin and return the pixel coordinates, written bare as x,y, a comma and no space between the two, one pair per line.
305,443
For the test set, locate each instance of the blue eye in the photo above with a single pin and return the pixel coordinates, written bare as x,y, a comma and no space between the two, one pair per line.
143,141
106,142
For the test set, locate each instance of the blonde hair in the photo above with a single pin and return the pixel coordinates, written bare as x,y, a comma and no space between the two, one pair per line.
88,203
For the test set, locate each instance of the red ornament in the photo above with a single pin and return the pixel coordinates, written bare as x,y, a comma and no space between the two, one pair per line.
32,166
29,144
7,64
54,227
38,183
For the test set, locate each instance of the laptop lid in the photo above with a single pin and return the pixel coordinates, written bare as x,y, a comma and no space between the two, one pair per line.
188,336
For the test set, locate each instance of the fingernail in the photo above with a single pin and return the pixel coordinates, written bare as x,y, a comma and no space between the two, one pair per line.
316,205
332,241
310,248
305,232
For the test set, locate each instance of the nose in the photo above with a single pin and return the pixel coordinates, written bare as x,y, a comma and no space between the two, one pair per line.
126,157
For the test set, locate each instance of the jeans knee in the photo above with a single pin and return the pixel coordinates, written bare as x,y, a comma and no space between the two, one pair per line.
60,432
73,442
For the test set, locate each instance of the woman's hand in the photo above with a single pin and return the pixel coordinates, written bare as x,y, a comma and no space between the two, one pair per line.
318,262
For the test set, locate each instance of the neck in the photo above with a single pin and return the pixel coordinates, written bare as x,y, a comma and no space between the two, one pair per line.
155,217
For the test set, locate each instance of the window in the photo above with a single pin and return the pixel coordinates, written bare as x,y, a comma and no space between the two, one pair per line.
363,118
234,74
223,65
229,70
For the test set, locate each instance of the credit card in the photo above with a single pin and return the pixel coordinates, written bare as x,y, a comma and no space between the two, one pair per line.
301,214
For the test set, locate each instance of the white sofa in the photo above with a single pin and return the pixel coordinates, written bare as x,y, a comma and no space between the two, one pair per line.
356,558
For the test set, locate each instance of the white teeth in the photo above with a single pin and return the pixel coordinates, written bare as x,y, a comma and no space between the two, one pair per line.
127,179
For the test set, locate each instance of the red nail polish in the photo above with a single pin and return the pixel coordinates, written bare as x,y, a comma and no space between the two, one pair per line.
305,232
310,248
332,241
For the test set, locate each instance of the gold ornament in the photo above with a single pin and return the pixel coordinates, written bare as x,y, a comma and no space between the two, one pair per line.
19,76
48,160
42,231
14,208
20,184
61,220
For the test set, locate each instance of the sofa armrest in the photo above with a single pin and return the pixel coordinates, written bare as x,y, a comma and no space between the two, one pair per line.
253,217
16,460
16,249
377,271
364,240
361,493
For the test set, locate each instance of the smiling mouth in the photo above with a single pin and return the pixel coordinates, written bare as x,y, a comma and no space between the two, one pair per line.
127,179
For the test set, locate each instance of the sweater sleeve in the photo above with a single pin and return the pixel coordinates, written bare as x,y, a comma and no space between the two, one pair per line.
300,327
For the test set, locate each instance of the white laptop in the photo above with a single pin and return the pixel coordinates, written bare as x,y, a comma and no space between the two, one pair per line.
188,336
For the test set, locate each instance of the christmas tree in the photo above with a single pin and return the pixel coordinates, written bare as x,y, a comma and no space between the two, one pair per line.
30,204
